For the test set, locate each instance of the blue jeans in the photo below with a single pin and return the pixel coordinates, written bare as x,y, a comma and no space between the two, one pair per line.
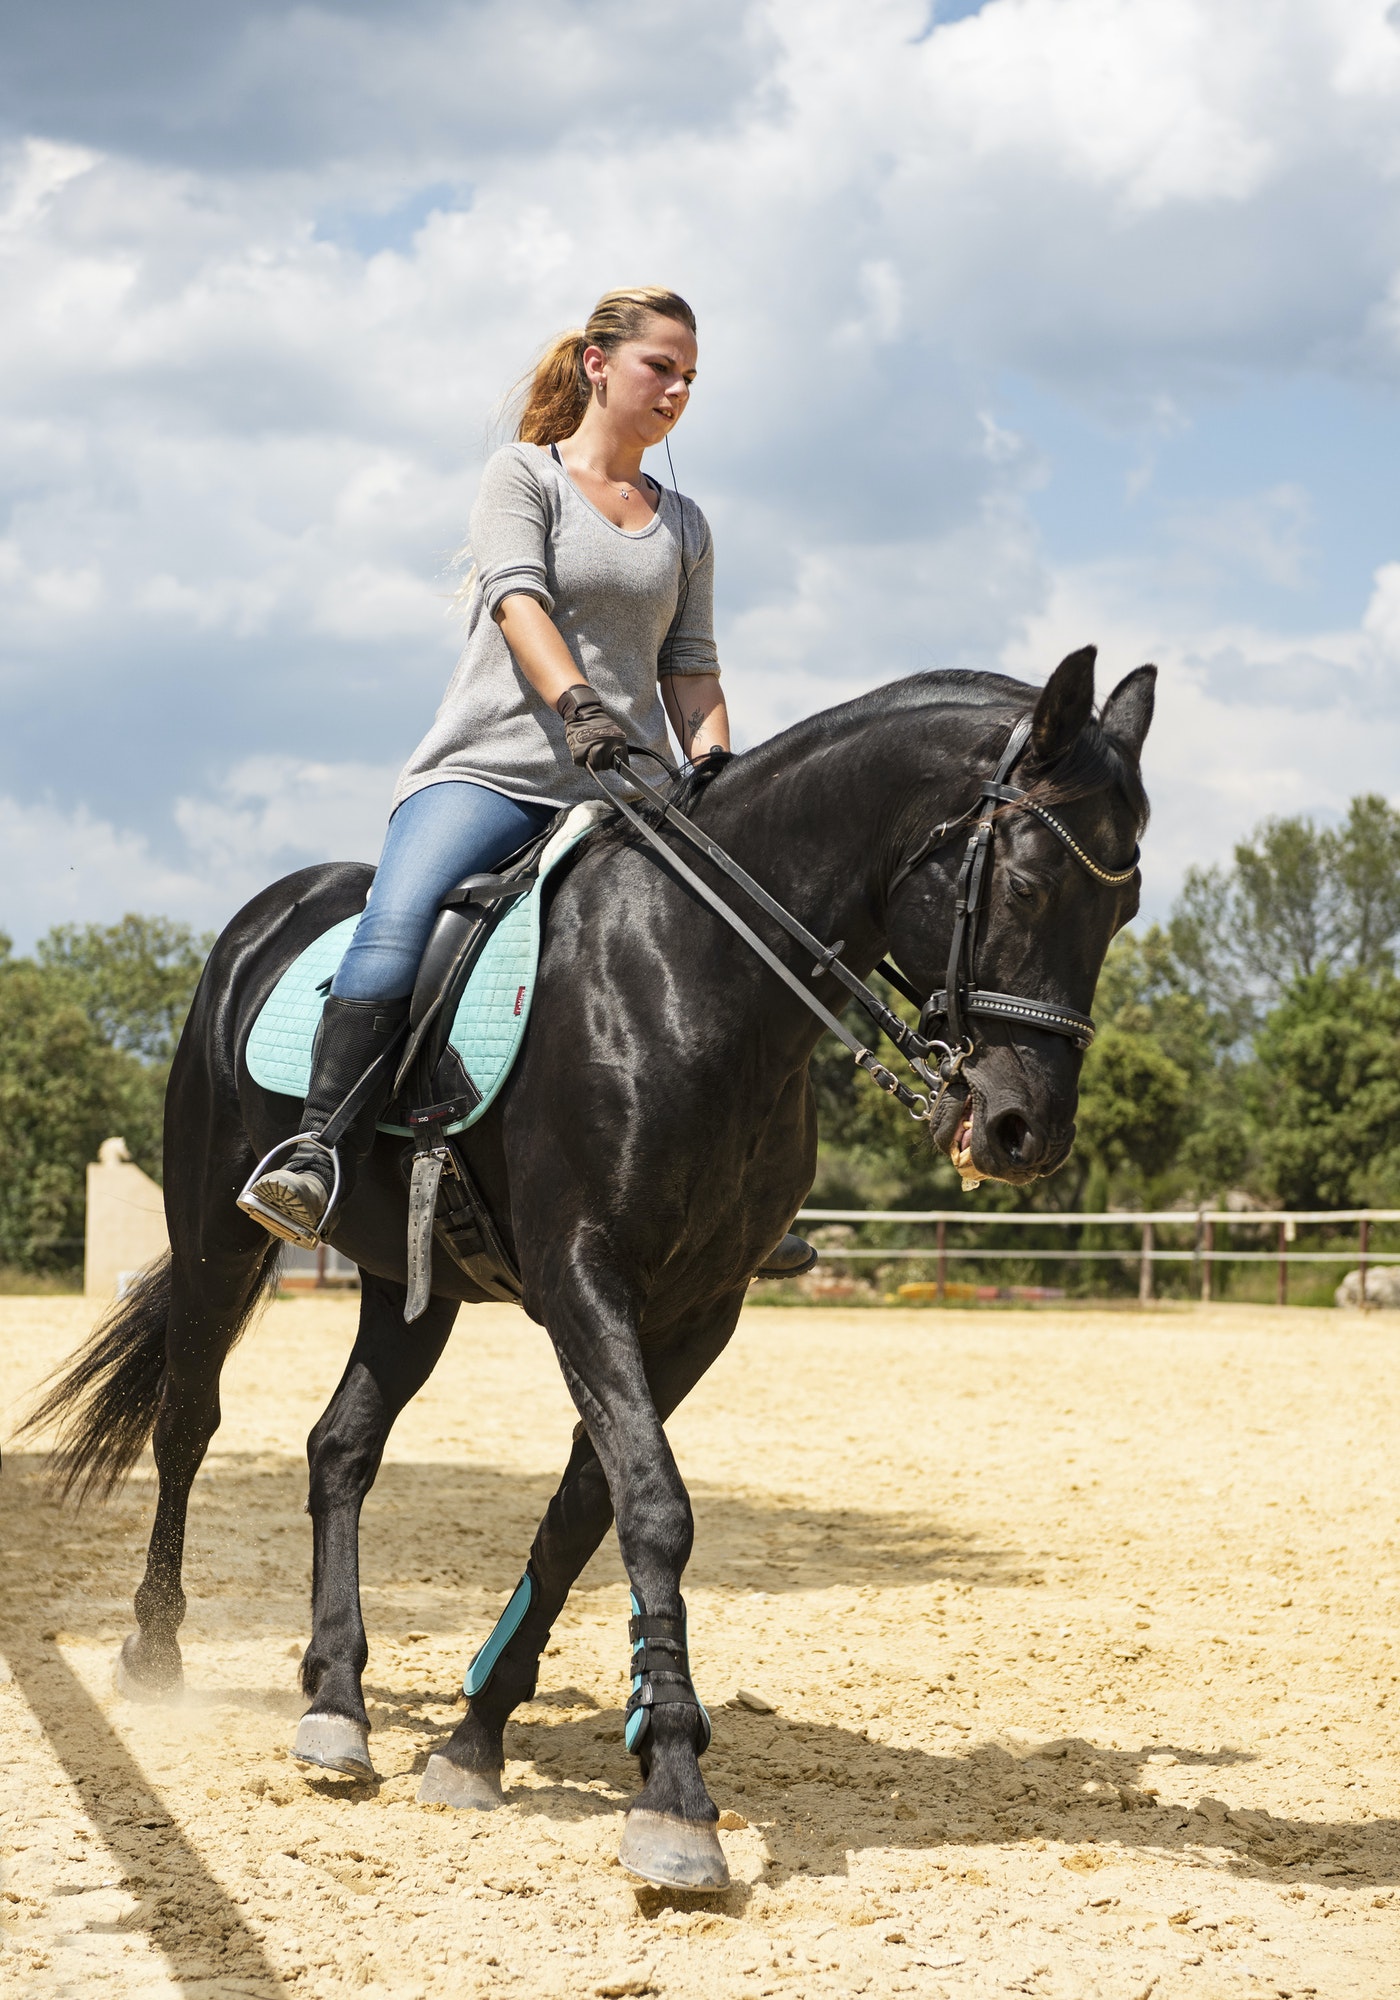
434,838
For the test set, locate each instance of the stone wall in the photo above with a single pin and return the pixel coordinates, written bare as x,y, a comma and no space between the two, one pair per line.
125,1221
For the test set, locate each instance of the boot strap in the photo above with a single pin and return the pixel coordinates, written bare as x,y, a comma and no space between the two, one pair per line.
660,1668
346,1112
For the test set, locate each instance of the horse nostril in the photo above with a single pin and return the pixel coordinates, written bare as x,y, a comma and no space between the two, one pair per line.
1015,1138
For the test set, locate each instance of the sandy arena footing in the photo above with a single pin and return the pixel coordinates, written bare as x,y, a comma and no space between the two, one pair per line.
1076,1629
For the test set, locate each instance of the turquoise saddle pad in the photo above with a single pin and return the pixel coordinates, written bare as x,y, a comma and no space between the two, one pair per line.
491,1017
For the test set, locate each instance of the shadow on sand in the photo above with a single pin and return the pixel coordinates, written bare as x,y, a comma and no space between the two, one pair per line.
454,1533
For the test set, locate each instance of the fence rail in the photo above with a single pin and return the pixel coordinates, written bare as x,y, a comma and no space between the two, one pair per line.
1203,1252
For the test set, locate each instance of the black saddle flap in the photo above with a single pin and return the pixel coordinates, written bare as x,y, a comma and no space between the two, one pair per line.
454,944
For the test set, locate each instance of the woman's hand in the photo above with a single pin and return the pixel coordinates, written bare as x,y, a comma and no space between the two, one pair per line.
593,737
695,704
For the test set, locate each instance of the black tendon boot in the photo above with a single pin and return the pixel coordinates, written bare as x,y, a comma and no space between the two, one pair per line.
291,1200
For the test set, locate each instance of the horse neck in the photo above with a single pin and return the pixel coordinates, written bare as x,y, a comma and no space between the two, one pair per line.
821,816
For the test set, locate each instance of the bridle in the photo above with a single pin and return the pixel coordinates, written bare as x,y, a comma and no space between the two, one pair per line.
961,997
960,1000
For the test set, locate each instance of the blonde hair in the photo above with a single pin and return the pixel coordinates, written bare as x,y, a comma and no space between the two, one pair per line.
557,392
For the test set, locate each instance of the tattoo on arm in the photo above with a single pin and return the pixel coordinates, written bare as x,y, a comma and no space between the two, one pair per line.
693,722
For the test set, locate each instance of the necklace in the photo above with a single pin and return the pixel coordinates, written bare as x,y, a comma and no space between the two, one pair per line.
623,486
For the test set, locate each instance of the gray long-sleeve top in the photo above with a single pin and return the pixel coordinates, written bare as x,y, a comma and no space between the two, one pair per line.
625,607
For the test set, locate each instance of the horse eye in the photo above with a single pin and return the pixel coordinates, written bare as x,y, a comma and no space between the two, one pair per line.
1021,888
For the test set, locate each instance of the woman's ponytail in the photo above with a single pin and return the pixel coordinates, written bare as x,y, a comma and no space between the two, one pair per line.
557,393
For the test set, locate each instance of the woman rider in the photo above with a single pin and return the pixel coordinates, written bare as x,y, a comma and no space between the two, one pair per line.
589,605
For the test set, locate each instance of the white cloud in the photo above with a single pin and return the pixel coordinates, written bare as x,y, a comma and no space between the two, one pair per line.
266,817
1248,725
63,867
271,814
235,453
1382,621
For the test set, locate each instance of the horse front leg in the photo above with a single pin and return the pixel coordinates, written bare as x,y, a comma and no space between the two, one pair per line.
670,1834
466,1771
388,1365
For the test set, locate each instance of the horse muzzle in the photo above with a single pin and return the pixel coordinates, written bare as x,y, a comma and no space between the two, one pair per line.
996,1141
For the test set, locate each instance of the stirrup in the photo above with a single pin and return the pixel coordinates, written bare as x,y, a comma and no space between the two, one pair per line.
278,1225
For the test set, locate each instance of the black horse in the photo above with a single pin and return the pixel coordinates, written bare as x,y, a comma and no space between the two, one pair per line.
652,1145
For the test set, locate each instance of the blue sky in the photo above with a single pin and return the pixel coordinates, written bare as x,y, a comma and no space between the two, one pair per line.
1022,325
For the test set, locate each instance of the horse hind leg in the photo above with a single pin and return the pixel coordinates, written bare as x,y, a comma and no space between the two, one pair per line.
150,1374
208,1307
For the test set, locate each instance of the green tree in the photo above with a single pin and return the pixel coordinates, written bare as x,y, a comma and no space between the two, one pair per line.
1189,1140
1368,867
134,979
62,1092
1299,900
1325,1093
1134,1108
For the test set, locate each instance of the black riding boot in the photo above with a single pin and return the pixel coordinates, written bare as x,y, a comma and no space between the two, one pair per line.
792,1257
291,1200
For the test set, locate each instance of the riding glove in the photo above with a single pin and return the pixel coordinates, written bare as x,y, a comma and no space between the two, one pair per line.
593,737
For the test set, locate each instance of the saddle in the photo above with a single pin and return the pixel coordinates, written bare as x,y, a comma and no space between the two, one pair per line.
467,1018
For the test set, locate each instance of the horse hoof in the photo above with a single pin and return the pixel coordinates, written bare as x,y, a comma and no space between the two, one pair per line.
139,1679
447,1784
335,1743
673,1853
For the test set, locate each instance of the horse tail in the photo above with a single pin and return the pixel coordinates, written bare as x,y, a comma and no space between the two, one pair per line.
105,1403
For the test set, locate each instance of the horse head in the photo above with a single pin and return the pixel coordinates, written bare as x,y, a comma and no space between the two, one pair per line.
1057,880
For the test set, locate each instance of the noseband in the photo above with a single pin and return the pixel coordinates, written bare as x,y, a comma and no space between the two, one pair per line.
960,999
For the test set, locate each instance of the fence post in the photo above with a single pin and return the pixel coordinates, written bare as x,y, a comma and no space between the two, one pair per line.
1283,1263
1361,1259
1207,1266
1145,1267
942,1261
320,1267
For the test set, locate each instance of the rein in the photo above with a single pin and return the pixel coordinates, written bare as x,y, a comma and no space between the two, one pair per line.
912,1045
959,999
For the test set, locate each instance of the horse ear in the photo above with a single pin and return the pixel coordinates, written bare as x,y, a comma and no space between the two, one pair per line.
1065,705
1127,714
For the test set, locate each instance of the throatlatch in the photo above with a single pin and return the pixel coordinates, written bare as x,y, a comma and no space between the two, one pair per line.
660,1660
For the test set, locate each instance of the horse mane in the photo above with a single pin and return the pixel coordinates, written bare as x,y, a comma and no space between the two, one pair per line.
1095,762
